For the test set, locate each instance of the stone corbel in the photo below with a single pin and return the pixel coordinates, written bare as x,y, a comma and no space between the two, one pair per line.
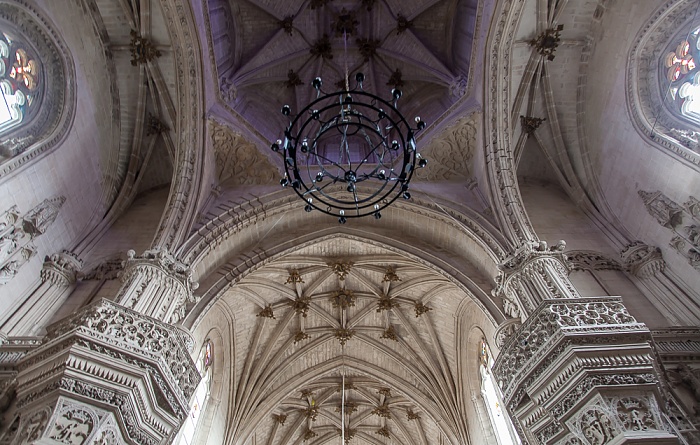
642,260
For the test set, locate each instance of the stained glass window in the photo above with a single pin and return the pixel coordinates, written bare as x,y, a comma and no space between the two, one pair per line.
500,422
21,83
681,79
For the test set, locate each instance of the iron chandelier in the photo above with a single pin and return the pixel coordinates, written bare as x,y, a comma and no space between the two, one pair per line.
349,153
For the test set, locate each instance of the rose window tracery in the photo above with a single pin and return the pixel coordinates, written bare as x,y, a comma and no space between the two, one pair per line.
21,82
680,80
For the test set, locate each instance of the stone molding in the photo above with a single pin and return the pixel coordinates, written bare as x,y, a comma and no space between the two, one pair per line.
106,355
47,128
181,209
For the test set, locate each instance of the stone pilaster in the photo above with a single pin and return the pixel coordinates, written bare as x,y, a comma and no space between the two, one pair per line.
157,285
58,277
580,371
106,374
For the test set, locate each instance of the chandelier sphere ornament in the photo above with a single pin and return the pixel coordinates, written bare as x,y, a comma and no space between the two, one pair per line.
349,153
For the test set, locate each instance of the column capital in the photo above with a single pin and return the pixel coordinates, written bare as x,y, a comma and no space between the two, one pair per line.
61,268
157,284
532,251
531,274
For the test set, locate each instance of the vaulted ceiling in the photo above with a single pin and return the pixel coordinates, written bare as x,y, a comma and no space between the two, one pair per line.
266,53
342,308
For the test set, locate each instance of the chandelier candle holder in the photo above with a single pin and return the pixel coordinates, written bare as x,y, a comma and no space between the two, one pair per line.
349,153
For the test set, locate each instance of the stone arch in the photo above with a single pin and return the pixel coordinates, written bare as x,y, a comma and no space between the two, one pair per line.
46,128
457,245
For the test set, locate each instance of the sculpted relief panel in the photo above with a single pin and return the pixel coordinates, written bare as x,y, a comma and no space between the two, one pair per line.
17,233
239,161
450,153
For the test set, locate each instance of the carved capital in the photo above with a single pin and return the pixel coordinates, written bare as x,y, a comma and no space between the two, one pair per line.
533,273
642,260
61,269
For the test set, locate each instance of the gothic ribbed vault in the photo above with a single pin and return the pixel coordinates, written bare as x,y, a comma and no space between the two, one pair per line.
390,325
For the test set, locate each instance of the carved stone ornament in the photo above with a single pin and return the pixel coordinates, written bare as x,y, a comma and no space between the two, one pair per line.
529,124
547,42
109,269
553,320
38,219
668,213
590,260
545,269
108,344
506,330
557,392
451,152
61,268
239,161
142,49
17,233
642,260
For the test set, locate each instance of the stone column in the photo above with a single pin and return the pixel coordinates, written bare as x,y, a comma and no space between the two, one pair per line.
574,370
157,285
105,375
